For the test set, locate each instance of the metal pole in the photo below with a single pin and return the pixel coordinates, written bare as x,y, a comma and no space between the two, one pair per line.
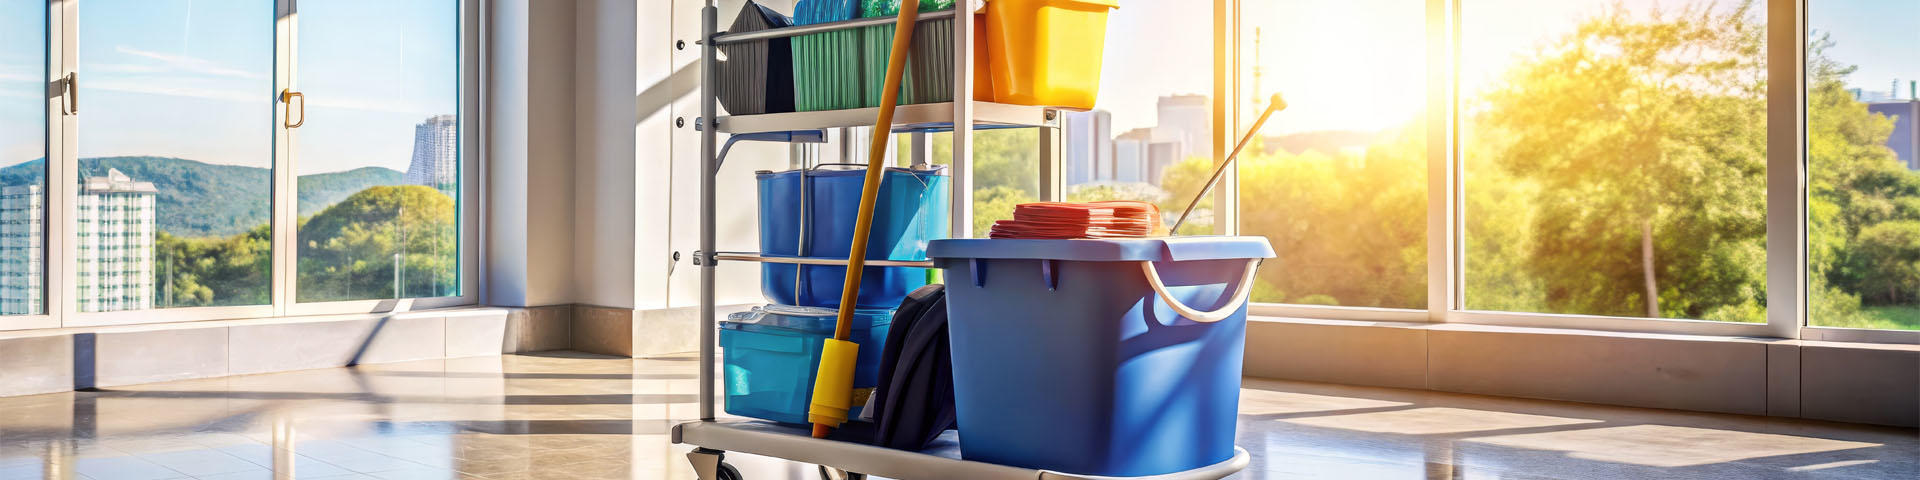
708,84
1276,105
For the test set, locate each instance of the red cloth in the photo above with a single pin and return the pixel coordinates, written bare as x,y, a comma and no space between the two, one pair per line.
1059,220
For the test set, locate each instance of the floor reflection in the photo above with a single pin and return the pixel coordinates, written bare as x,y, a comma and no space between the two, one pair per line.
583,417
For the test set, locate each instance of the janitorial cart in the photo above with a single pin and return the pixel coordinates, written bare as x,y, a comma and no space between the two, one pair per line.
1187,296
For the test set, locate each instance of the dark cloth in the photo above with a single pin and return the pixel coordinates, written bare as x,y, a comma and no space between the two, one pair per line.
913,402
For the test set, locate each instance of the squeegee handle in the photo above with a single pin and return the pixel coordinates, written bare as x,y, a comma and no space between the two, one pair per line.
876,155
1277,104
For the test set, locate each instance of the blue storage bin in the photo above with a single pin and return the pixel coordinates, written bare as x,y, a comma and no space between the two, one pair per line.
771,353
815,218
1085,356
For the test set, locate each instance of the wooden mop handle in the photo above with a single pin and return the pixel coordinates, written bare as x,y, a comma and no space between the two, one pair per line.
876,155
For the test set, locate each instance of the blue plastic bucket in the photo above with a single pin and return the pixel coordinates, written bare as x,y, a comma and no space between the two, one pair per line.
1098,357
771,353
815,218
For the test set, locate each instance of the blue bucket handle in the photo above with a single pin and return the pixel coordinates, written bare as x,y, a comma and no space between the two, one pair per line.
1239,295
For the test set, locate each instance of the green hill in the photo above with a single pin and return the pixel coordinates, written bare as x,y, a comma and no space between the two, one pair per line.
321,190
200,199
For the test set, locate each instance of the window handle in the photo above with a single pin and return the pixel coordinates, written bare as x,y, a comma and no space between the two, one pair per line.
287,96
72,84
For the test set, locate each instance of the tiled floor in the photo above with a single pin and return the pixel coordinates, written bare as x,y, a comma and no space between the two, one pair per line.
581,417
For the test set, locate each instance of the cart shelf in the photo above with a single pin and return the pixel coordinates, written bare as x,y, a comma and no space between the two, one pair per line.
925,117
940,462
755,257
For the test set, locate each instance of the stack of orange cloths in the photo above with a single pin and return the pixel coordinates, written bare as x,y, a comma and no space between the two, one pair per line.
1060,220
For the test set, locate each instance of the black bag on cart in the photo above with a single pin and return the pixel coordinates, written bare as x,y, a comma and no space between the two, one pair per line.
913,403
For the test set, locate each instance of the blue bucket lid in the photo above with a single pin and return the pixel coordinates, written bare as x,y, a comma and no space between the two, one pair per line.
813,320
1159,249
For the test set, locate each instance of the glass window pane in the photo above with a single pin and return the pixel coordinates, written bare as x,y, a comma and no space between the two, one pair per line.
379,157
176,154
1613,158
1863,150
1338,181
1150,136
1006,171
23,151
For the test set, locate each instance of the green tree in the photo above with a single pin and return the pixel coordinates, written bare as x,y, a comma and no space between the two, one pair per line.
1006,171
214,271
1895,274
1642,139
1349,226
350,250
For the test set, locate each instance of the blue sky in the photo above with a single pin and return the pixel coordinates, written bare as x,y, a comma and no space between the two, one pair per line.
194,79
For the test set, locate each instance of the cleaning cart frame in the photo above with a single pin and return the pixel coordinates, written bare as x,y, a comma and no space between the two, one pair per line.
713,436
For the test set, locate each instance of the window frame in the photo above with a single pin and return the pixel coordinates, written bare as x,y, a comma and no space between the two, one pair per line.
1786,197
56,63
286,240
60,281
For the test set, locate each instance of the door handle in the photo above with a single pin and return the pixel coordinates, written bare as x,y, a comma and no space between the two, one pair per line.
287,96
72,82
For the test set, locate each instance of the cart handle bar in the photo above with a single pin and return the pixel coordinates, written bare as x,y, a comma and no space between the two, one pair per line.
798,30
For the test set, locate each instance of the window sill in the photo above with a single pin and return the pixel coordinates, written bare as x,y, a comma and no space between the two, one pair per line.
1843,381
460,311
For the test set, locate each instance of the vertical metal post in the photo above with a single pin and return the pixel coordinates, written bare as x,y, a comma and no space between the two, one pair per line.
918,148
962,161
1786,168
1053,171
708,170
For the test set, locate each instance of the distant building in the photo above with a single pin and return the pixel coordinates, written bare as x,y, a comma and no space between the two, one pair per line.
1130,156
22,252
115,228
1160,157
1906,129
1185,120
436,155
1088,138
114,225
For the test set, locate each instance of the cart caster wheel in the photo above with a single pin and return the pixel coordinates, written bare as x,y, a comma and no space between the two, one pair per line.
727,472
828,473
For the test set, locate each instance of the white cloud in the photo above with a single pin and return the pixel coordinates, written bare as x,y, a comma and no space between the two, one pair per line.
124,68
192,92
192,64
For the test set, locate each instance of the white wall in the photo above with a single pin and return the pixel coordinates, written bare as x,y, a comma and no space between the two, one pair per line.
530,216
606,162
737,282
591,196
654,90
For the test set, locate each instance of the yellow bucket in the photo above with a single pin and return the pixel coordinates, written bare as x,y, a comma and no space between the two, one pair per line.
1047,52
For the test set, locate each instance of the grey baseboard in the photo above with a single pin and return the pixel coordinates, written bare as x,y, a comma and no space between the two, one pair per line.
57,360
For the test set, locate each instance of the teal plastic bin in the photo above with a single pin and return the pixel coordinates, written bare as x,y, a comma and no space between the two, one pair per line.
770,355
